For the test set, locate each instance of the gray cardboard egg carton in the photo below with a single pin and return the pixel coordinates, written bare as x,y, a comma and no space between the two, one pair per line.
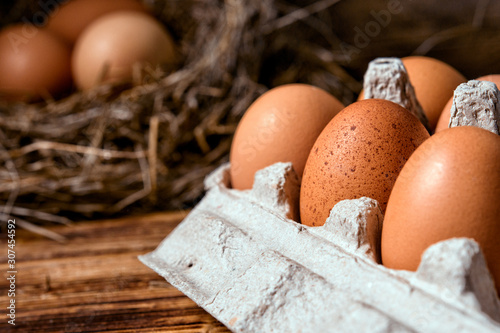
241,256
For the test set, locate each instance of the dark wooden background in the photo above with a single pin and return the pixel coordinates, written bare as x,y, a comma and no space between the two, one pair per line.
95,283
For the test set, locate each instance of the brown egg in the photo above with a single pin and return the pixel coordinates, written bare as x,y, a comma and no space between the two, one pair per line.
444,118
495,78
71,18
434,82
449,188
358,154
33,63
280,126
109,48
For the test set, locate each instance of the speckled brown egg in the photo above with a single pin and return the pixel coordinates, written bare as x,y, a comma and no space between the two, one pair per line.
358,154
280,126
434,82
444,118
448,188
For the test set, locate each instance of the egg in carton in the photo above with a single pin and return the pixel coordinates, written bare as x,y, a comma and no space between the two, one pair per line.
242,256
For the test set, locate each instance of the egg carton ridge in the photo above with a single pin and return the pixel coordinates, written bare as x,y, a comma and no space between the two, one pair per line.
241,256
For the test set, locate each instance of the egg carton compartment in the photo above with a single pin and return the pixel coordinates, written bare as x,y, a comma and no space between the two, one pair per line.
242,257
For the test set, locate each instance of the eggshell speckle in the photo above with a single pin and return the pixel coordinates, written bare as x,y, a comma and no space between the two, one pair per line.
280,126
359,153
109,48
33,63
444,118
434,82
448,188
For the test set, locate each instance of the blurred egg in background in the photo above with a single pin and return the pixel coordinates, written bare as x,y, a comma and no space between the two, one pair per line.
36,54
34,63
110,47
72,17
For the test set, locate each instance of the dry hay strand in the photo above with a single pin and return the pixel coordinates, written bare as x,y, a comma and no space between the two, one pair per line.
147,145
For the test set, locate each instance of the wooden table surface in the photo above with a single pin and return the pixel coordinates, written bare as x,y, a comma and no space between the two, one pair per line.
95,283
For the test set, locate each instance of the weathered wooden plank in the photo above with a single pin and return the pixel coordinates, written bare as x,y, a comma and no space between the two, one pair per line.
95,283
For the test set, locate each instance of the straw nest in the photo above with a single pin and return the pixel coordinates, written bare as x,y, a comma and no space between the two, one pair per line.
146,145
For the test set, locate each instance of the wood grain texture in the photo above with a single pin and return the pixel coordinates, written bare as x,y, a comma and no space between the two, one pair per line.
95,283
